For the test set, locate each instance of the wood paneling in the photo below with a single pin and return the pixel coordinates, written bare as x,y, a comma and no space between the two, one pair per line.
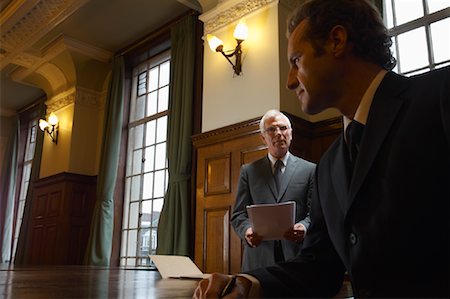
62,207
220,154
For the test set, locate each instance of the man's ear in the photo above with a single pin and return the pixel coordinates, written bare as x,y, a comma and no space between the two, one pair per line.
338,40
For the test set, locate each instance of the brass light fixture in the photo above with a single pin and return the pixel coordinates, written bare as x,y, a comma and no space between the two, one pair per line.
50,126
240,34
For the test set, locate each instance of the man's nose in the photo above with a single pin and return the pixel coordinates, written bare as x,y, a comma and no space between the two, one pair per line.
292,82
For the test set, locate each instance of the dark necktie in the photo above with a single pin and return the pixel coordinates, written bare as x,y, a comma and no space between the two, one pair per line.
277,174
353,134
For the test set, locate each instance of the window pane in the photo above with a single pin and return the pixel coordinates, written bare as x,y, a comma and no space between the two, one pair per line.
150,134
141,83
160,156
159,183
164,73
388,16
138,134
148,186
149,164
145,242
152,101
440,36
408,10
124,242
132,243
140,108
135,188
163,103
153,79
157,207
413,49
134,214
435,5
162,129
146,213
137,161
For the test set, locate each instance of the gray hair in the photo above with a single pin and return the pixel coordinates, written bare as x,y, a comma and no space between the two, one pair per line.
272,113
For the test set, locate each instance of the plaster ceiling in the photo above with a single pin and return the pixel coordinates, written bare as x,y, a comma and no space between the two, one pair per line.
110,25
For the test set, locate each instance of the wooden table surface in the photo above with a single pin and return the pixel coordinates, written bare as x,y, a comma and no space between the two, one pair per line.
90,282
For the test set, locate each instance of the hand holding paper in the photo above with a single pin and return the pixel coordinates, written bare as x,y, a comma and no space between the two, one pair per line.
272,221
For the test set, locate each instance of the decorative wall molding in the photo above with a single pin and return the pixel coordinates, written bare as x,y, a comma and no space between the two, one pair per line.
78,96
61,100
87,97
226,13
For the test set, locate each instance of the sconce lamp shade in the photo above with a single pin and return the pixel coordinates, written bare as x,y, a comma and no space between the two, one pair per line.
240,34
241,31
50,126
214,42
53,119
43,124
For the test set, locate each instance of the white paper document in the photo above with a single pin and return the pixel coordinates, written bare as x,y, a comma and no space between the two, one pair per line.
272,221
176,266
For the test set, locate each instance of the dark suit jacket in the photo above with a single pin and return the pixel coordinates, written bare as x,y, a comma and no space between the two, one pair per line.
257,186
390,228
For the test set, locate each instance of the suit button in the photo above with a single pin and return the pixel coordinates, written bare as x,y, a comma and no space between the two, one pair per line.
352,238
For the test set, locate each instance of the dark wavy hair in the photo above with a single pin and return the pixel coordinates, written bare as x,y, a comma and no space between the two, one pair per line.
360,18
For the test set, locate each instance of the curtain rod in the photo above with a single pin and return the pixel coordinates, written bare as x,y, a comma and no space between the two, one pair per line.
153,34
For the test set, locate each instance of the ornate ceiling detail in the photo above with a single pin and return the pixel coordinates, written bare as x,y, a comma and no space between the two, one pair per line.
220,17
32,21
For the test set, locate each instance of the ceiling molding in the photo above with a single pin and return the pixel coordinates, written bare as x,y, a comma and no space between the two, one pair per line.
226,12
31,22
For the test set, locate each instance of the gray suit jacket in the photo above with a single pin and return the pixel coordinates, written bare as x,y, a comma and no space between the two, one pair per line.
257,186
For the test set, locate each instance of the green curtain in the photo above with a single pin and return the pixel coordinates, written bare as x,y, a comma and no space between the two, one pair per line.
174,221
98,251
8,188
25,229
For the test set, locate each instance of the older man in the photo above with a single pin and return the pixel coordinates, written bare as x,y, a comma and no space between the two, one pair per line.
278,177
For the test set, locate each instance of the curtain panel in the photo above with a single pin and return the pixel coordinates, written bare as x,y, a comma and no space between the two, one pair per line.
98,251
174,221
8,188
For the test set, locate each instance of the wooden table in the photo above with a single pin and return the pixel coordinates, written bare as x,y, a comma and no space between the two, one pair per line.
90,282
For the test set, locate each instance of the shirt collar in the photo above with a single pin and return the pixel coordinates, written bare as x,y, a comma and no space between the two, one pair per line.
366,101
273,159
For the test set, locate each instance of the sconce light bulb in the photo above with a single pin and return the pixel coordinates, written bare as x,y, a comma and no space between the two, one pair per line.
241,31
53,119
43,124
214,43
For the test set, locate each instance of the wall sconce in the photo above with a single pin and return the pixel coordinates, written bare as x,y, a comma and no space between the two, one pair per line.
50,126
240,34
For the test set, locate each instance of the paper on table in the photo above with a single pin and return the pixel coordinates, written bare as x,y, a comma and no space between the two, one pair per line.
176,266
272,221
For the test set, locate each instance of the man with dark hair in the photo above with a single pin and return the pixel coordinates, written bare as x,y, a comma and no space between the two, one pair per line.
380,208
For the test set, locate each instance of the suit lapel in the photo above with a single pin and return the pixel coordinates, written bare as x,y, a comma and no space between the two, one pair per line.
385,107
268,173
340,174
287,175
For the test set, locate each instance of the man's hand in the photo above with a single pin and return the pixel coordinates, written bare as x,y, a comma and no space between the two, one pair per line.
253,239
296,234
214,285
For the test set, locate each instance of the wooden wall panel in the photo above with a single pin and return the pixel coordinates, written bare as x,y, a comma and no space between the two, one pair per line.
220,154
62,207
